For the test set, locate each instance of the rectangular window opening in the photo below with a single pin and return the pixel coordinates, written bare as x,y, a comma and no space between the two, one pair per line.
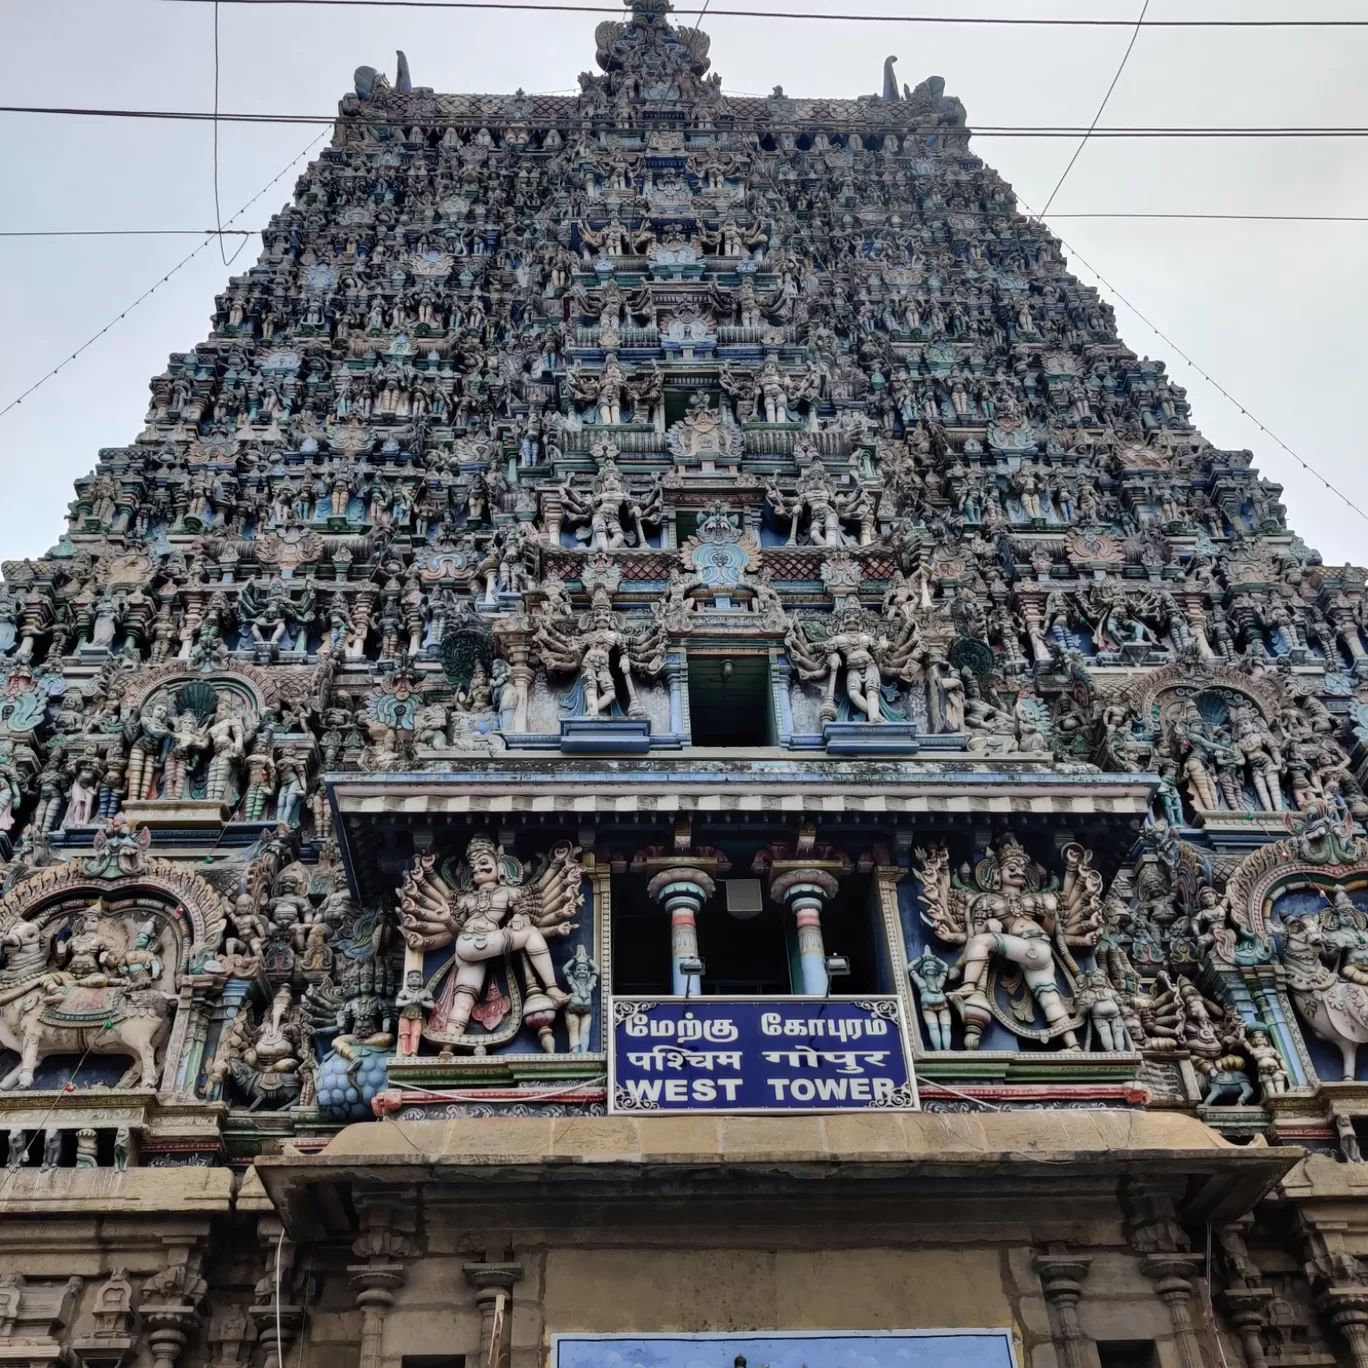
729,700
1127,1354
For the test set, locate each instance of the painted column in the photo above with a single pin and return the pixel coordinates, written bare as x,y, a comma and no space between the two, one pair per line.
805,892
781,675
516,643
682,890
676,672
1269,1007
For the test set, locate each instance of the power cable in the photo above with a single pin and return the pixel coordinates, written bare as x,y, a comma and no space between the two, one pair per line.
68,1087
1075,255
129,232
1112,214
1229,218
218,213
1130,47
474,119
14,403
1023,21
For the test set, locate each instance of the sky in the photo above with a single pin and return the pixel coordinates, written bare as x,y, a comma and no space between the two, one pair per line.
1271,311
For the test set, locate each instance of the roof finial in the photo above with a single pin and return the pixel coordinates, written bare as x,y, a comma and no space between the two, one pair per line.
890,90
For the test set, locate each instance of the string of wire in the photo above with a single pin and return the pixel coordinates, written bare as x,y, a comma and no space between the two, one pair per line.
218,212
1110,214
1024,21
1083,142
473,120
184,261
1076,256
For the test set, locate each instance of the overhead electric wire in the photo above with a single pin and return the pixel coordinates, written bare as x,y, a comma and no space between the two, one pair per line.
184,261
1130,47
1075,255
128,232
1072,214
1022,21
218,213
977,131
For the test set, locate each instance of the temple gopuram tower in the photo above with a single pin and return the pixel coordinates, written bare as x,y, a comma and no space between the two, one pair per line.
665,753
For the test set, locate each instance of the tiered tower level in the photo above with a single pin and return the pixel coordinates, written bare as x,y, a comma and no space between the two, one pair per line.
632,576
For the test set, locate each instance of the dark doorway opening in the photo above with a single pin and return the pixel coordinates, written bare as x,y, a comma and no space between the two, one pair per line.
745,958
729,701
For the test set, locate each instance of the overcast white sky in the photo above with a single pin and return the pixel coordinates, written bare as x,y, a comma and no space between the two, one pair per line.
1272,311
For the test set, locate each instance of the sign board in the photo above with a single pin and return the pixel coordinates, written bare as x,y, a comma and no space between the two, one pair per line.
770,1054
805,1349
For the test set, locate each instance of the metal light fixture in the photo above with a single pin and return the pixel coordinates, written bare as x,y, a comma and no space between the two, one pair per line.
837,966
692,968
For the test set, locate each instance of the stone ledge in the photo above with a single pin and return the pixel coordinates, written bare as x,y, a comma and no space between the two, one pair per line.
115,1192
713,1163
846,1137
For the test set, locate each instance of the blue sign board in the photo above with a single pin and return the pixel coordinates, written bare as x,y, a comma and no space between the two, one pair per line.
759,1055
806,1349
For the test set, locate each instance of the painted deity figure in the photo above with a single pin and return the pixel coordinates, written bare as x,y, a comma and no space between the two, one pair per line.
493,915
1014,922
929,973
89,956
599,652
413,1000
582,975
149,740
857,649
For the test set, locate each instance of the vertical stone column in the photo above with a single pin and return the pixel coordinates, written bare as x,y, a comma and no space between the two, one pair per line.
190,1030
681,891
1172,1275
493,1284
386,1240
682,878
1061,1277
677,676
805,893
1246,1307
1245,1300
168,1328
277,1319
1346,1308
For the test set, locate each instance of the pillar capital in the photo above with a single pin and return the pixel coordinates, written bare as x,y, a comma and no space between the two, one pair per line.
804,876
492,1278
1062,1275
682,879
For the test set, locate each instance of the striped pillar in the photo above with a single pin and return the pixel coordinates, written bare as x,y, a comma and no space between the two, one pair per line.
682,891
805,892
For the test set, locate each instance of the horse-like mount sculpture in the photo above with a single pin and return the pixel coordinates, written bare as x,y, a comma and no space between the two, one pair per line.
1332,1005
90,992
